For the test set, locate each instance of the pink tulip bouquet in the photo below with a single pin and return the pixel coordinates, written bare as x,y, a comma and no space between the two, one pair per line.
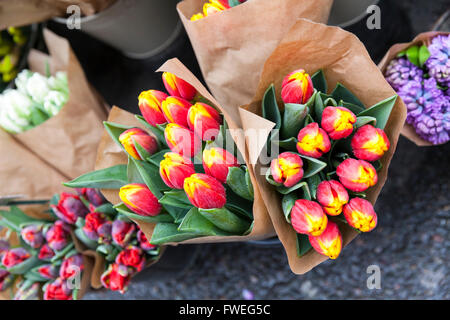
329,150
183,177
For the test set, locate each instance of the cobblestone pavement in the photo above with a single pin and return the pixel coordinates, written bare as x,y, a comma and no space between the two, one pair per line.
410,244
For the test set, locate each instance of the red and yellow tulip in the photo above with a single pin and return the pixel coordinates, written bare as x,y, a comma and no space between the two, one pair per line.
360,214
174,168
313,141
197,16
297,87
214,6
175,110
129,138
332,196
150,106
338,122
204,191
357,175
182,140
329,243
139,199
216,162
204,120
307,217
370,143
287,169
178,87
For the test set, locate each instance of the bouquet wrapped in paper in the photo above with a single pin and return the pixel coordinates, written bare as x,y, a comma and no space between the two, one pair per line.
180,171
233,39
419,72
335,133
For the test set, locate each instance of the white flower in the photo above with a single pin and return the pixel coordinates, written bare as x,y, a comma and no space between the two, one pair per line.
11,118
37,87
20,102
54,101
59,82
22,79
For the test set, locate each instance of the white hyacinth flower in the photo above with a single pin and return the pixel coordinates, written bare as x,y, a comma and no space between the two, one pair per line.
54,101
37,87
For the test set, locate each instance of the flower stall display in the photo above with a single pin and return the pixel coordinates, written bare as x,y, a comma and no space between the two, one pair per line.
333,136
248,33
420,73
12,42
178,172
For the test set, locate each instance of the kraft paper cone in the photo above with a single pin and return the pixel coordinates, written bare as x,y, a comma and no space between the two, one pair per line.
408,131
313,46
110,154
231,46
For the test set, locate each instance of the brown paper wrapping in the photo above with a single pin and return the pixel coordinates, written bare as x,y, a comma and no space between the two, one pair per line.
110,154
313,46
408,131
23,12
233,45
36,162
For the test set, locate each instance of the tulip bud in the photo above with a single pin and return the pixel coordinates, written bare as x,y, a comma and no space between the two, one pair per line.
287,169
6,279
150,106
14,256
307,217
357,175
204,120
46,253
69,208
360,215
92,223
313,141
370,143
182,140
178,87
57,290
138,198
175,110
122,232
329,243
211,8
197,16
93,196
332,196
27,292
216,162
32,235
204,191
71,267
104,232
338,122
129,138
116,278
48,271
132,257
297,87
143,242
58,235
174,169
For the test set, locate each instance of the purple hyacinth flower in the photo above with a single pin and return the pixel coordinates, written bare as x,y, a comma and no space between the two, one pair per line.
400,71
438,64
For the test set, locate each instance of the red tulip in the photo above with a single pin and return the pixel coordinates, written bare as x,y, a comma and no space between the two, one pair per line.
175,110
122,232
46,253
57,290
32,235
48,271
370,143
58,235
174,169
205,191
143,242
182,140
129,138
216,162
287,169
132,257
93,221
178,87
307,217
297,87
313,141
214,6
14,256
71,267
69,208
150,106
139,199
360,214
93,196
116,278
357,175
332,196
329,243
204,120
338,122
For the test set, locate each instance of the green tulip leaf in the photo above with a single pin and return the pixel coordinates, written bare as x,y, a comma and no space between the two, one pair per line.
150,175
177,214
342,93
15,218
162,217
318,108
271,112
226,220
313,166
168,232
195,222
176,198
115,130
91,244
293,119
361,121
288,144
236,180
352,107
313,183
381,111
303,244
106,208
319,81
25,266
287,203
110,178
284,190
239,204
34,275
248,181
62,253
270,180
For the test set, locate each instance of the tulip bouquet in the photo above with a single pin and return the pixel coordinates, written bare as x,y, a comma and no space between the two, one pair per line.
420,74
36,99
214,6
183,174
